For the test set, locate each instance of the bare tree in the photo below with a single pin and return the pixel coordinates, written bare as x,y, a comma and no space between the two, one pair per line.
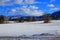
46,18
30,19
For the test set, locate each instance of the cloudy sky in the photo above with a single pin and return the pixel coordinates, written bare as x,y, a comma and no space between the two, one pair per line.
28,7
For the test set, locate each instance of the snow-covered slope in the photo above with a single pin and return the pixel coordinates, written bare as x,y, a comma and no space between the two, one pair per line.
29,28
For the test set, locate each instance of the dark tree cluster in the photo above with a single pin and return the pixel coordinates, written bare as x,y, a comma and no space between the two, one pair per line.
1,19
27,19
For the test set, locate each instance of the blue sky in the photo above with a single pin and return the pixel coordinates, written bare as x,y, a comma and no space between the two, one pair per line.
34,7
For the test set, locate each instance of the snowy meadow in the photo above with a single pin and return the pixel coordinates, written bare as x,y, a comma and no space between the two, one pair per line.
30,28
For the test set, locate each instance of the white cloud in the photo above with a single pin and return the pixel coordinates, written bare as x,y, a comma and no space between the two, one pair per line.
54,9
40,2
13,10
33,11
18,1
52,1
29,1
33,7
37,13
24,1
5,2
8,2
27,10
51,5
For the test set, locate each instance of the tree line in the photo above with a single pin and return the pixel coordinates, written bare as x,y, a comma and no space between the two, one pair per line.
46,18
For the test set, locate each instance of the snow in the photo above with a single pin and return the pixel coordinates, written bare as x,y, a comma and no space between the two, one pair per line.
29,28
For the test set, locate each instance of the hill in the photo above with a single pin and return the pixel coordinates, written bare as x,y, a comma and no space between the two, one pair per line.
56,15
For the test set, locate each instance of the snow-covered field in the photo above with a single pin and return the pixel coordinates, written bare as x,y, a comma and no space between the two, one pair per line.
29,28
